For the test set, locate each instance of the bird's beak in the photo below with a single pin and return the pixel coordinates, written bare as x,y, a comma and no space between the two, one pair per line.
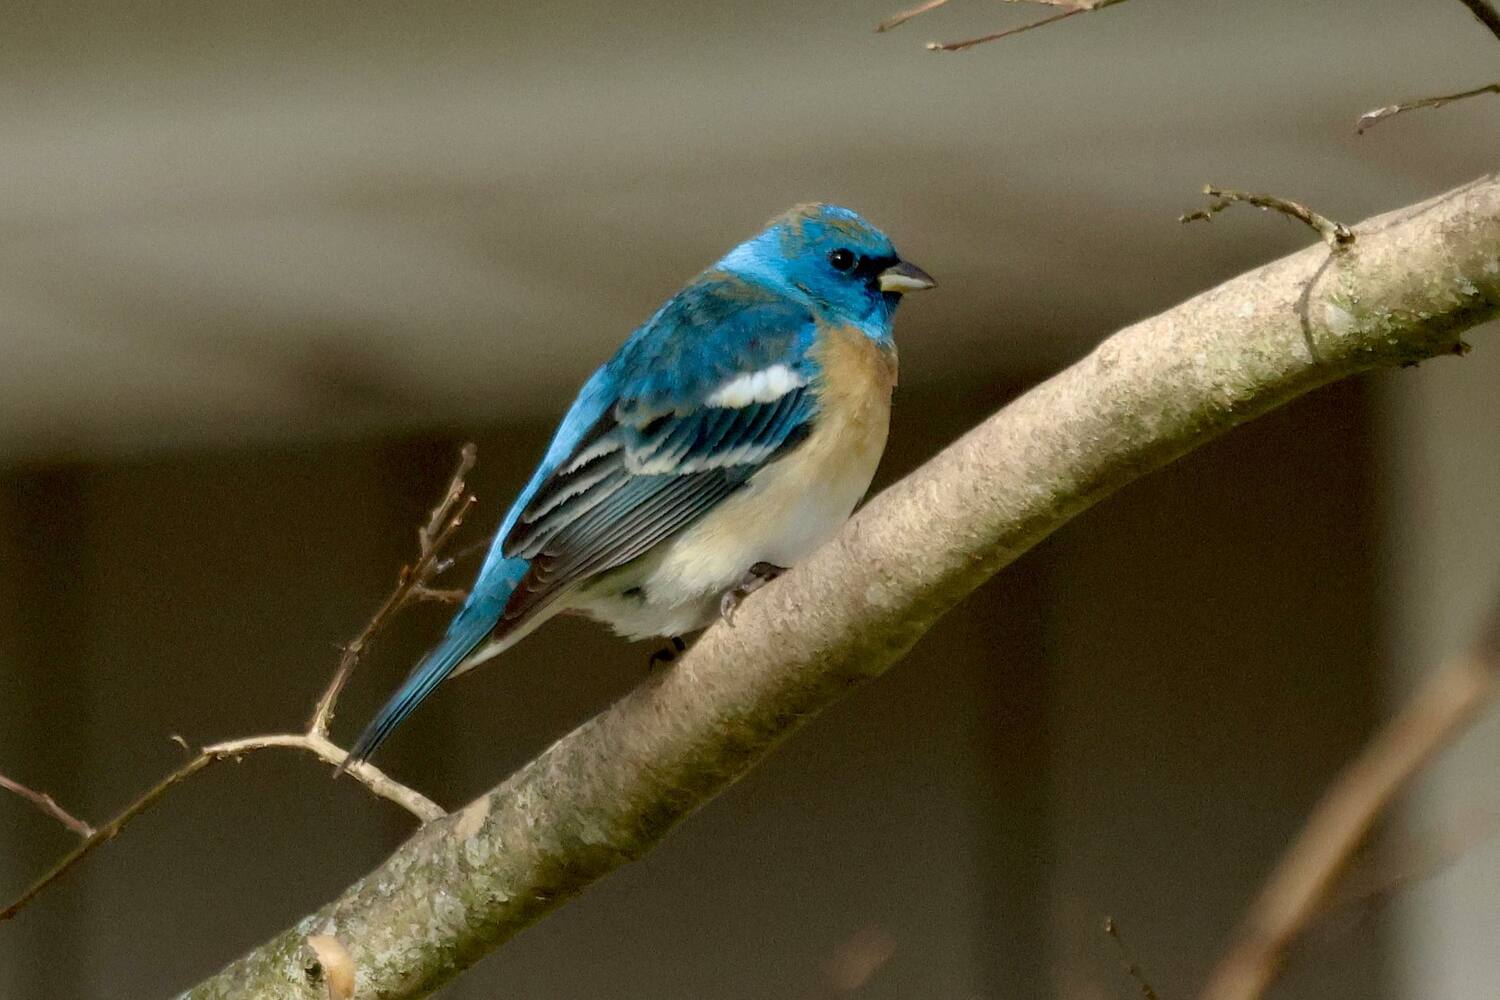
905,277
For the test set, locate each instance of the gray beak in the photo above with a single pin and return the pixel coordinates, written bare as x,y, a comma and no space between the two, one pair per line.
905,277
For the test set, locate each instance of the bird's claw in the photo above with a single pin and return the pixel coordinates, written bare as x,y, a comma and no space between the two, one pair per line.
756,577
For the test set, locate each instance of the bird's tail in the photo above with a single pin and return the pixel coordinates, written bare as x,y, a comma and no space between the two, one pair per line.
468,629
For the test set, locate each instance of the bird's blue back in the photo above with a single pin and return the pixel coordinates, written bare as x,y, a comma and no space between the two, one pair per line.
639,454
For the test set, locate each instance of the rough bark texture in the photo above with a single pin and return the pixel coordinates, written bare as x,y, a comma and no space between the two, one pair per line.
610,790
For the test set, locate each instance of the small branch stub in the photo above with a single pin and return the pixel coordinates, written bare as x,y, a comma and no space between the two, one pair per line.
1335,234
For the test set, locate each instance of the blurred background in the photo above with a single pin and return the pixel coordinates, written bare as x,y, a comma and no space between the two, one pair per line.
266,265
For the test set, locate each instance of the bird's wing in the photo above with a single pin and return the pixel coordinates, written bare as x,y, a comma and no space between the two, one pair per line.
703,395
716,385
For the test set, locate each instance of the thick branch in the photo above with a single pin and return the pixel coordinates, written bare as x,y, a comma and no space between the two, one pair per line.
609,791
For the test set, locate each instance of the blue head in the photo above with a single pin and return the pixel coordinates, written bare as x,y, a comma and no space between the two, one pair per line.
845,268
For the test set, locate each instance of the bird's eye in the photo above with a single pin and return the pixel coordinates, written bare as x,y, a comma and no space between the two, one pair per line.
842,260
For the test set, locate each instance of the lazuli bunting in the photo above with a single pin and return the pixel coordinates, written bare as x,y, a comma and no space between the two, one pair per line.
730,436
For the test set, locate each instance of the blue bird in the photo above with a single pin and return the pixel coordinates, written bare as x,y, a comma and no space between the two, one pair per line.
731,435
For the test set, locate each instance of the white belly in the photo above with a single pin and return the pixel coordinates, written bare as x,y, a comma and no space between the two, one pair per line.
787,510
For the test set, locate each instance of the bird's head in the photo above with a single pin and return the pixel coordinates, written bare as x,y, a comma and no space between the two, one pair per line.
848,269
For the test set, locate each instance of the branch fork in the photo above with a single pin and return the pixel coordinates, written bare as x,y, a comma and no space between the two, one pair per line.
413,584
1335,234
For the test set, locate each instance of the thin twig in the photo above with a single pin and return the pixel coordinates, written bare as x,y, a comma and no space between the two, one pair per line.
1132,967
108,831
1487,15
412,585
1068,9
326,750
1335,234
323,748
48,805
897,20
444,520
451,595
446,563
1297,890
1375,117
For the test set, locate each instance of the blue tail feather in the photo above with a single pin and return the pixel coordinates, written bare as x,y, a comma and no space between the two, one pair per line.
467,631
475,622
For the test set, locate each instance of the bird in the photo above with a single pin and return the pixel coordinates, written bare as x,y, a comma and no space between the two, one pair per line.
732,434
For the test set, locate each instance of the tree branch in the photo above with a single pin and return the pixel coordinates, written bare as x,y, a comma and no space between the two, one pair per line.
1372,118
48,806
413,584
1066,9
1128,962
606,793
1488,16
320,746
897,20
1335,234
1297,891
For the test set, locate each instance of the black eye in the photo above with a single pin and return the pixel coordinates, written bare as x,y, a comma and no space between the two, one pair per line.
842,260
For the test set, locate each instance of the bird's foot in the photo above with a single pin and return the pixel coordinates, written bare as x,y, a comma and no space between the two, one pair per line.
667,653
756,577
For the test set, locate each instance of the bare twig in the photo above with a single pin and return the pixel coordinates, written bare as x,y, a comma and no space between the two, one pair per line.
1300,885
1335,234
326,750
1066,9
897,20
451,595
1375,117
107,832
1127,958
1487,15
412,584
372,778
48,805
